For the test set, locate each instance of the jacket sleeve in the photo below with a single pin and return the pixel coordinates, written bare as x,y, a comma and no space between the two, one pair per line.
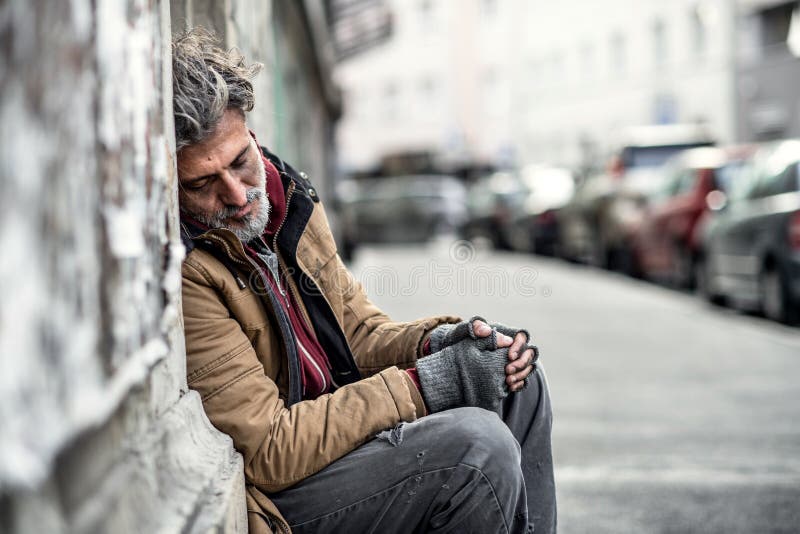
280,445
377,341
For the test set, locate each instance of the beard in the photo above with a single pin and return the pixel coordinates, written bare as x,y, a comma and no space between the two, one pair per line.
251,225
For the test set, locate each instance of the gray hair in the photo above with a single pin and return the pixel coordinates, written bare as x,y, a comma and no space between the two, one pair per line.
206,81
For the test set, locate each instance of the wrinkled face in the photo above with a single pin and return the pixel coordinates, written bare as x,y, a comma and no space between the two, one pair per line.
223,180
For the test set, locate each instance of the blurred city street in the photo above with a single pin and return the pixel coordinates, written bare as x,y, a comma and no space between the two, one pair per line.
671,415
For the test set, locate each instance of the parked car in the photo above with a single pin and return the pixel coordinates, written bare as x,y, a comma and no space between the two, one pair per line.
400,209
491,201
752,243
665,243
598,223
533,227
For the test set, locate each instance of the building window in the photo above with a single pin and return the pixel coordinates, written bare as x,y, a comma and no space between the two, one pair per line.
490,84
587,61
665,109
390,97
425,13
557,67
659,43
619,55
535,74
698,25
427,93
489,7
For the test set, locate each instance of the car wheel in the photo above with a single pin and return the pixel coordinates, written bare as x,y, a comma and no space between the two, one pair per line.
775,299
519,238
682,267
703,283
625,261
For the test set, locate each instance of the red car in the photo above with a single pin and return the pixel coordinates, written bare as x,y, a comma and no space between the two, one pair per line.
666,243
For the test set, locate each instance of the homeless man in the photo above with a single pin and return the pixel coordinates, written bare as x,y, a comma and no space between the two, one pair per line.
347,421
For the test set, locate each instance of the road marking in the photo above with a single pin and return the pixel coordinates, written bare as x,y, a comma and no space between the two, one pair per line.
681,475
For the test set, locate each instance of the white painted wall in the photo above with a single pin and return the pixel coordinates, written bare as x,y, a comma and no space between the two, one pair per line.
594,90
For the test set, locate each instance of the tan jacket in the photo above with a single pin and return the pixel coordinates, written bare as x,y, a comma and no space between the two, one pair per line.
237,361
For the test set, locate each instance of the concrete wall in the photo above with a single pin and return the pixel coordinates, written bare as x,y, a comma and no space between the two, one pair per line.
98,431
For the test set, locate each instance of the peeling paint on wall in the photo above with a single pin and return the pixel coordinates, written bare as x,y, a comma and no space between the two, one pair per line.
98,432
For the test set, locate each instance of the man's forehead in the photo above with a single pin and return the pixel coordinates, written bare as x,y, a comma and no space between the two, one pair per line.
218,151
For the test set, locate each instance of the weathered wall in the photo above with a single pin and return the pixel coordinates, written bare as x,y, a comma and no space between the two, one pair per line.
98,432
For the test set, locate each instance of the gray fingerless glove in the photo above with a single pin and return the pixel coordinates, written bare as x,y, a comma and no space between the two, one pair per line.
450,334
512,333
470,372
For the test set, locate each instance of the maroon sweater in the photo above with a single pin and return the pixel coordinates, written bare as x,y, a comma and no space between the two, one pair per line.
314,365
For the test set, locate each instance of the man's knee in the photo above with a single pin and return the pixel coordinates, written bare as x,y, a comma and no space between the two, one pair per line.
485,441
544,393
533,402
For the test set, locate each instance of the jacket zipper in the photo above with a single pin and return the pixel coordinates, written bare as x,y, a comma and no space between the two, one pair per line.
272,261
289,194
281,263
315,365
284,528
275,274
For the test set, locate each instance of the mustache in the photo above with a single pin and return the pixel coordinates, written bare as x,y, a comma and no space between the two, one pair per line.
252,195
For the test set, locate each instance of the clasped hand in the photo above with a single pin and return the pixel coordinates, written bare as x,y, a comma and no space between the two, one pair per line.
521,358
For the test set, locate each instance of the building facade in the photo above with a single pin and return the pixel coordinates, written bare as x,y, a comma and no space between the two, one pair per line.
525,82
768,69
590,71
439,84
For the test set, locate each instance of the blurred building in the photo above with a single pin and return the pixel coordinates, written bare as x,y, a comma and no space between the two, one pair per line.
517,81
768,73
98,431
439,85
559,82
588,70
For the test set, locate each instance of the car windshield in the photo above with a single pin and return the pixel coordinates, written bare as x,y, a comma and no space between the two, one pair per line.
653,156
727,174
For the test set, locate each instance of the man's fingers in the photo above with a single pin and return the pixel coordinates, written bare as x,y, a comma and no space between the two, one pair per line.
519,341
480,328
503,341
515,381
520,364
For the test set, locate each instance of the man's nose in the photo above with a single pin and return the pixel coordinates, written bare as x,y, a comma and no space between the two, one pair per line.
233,191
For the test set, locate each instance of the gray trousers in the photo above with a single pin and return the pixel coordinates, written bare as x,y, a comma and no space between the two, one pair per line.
461,470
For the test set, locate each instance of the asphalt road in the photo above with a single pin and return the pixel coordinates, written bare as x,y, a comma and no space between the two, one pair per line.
671,415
